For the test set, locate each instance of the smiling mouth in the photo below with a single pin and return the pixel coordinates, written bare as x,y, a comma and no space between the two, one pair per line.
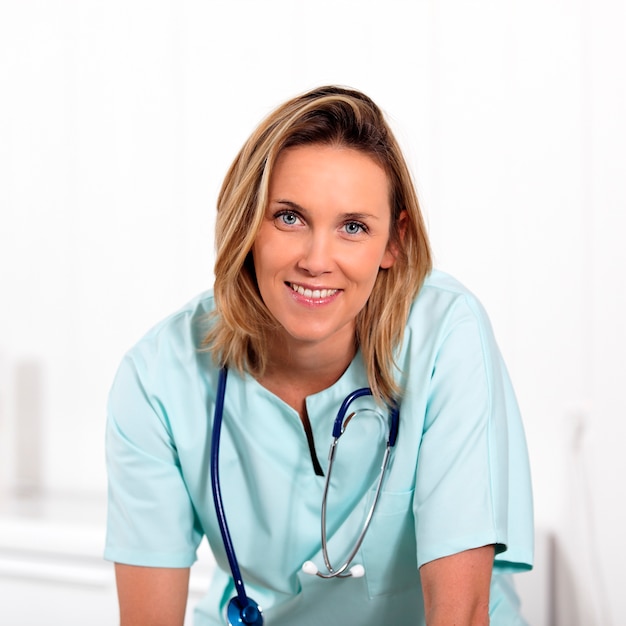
313,294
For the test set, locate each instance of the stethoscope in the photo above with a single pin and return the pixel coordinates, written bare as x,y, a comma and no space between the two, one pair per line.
242,609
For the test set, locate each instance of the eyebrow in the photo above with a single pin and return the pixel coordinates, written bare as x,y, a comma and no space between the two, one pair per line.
346,216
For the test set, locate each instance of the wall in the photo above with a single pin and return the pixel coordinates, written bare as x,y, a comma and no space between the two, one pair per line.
118,121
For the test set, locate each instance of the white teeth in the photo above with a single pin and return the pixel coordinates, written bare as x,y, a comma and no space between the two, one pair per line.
313,294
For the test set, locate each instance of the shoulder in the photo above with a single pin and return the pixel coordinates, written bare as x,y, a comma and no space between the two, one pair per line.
186,326
167,364
447,324
441,282
443,301
176,341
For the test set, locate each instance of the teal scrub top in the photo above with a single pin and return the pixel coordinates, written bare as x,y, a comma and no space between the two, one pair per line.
458,477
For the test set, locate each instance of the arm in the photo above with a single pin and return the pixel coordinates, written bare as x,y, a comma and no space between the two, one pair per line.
456,588
151,596
150,518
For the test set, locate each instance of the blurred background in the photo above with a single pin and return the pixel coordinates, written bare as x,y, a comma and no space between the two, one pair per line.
118,121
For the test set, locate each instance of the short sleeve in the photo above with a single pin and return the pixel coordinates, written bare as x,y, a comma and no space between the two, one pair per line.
151,520
473,481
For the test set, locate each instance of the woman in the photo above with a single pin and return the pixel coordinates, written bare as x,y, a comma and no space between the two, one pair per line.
323,285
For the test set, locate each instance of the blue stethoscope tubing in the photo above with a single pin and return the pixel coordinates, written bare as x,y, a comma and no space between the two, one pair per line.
242,609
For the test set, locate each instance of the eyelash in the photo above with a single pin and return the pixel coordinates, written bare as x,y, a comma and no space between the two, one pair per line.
281,215
362,227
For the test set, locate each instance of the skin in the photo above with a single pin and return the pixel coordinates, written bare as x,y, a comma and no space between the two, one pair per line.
151,596
456,588
326,229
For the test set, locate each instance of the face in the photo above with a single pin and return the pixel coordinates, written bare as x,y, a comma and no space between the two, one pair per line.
324,238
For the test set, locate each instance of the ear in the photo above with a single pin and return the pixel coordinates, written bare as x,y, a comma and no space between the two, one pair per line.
391,253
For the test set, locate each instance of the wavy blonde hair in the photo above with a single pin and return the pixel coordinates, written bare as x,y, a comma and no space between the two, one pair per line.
242,324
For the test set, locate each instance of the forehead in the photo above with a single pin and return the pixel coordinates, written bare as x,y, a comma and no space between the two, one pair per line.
329,170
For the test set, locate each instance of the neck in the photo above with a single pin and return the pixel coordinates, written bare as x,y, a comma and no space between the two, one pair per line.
297,371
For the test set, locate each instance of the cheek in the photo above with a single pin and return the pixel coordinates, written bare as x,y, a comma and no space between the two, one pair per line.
364,270
368,261
262,245
261,256
269,258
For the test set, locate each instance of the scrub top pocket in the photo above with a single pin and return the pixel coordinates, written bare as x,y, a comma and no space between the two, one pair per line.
389,550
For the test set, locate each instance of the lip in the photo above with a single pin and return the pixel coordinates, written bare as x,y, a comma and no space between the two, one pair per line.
312,294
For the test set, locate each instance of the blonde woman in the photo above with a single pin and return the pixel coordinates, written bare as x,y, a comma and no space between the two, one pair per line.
221,417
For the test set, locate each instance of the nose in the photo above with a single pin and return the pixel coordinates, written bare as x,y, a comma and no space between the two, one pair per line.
317,254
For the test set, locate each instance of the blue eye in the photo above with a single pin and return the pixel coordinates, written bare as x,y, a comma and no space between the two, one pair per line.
355,228
289,218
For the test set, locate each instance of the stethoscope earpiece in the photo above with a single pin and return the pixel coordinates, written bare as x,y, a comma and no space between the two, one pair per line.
356,571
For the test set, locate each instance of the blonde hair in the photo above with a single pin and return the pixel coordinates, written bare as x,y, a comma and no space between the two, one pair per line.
242,324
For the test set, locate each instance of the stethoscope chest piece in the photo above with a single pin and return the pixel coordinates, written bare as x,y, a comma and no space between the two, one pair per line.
249,614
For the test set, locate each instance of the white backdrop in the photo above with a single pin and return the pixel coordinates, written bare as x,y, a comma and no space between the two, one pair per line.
119,119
